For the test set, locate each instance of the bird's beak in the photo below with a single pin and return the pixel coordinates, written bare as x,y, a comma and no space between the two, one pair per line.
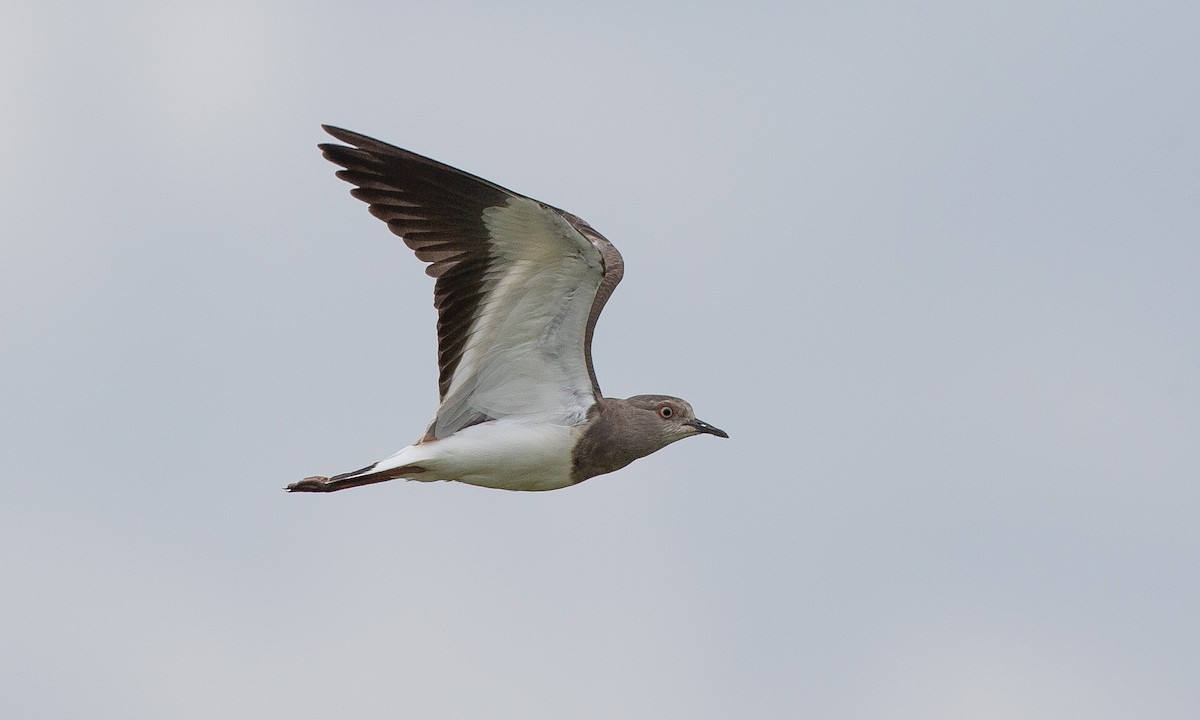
703,427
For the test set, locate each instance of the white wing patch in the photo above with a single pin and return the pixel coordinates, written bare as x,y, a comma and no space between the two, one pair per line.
525,352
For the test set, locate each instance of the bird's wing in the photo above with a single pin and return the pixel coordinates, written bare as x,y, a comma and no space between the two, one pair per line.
519,286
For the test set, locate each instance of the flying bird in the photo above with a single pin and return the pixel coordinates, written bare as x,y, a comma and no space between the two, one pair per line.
519,287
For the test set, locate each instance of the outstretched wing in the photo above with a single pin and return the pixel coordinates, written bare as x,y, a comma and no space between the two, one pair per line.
520,284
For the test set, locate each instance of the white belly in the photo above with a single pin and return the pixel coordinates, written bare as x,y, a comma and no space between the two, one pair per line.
508,454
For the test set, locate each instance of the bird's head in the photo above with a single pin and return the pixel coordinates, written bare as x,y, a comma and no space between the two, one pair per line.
673,418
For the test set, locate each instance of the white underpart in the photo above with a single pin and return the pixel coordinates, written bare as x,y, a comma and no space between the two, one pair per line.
510,454
525,355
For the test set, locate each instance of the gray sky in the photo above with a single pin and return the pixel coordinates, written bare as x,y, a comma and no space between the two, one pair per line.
933,266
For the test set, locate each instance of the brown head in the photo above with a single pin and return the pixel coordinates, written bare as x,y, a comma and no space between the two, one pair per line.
673,418
621,431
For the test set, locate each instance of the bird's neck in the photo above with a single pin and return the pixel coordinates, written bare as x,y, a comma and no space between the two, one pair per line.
615,435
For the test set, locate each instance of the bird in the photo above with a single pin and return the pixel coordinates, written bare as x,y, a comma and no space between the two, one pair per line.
519,287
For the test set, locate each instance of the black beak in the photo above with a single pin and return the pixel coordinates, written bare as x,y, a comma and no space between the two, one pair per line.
703,427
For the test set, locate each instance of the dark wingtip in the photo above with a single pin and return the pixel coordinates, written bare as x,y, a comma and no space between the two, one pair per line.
347,136
364,142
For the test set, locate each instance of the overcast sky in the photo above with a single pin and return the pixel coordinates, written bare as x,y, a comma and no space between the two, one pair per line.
934,266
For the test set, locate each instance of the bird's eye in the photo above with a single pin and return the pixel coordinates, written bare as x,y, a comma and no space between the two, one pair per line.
665,411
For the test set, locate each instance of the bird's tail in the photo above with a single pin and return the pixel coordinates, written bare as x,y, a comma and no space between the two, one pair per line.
363,476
